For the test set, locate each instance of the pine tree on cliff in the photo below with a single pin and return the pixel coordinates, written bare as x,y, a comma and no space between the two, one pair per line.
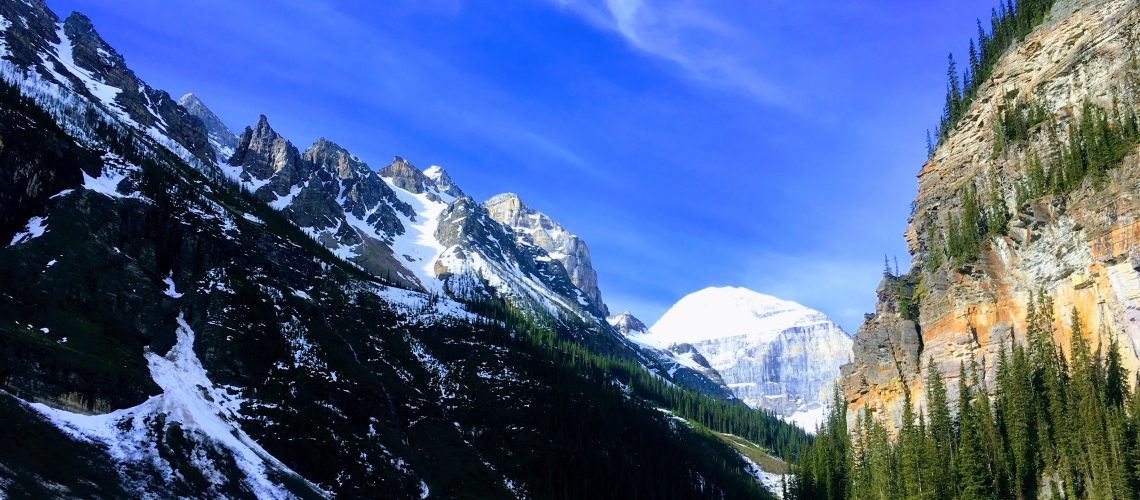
975,69
953,96
934,246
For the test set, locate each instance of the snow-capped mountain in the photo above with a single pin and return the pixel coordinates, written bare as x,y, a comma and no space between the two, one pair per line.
402,224
772,353
183,319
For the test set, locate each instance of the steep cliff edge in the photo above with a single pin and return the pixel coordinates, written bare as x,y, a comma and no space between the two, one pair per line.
1080,243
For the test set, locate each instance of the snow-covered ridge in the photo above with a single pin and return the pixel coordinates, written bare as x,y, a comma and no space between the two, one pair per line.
722,312
772,353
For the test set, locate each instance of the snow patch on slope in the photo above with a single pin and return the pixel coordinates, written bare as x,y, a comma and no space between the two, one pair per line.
771,481
189,399
104,93
4,25
283,201
33,229
115,171
418,248
170,290
809,417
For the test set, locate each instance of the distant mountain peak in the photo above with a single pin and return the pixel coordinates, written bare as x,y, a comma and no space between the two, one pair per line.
728,311
221,136
406,176
773,353
443,181
627,323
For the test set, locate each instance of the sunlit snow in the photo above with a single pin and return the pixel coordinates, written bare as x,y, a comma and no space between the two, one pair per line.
192,401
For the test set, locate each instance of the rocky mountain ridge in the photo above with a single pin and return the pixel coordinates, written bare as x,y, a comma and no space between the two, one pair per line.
176,326
72,54
537,229
1080,248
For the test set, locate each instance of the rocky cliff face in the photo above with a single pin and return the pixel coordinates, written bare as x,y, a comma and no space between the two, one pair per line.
72,54
1081,248
772,353
535,228
222,139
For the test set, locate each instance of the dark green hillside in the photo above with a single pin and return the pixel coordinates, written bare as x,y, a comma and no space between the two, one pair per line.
357,396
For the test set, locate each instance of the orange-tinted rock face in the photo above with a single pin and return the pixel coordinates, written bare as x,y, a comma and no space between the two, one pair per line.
1083,250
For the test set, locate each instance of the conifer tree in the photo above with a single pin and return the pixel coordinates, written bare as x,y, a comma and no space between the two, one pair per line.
942,452
910,443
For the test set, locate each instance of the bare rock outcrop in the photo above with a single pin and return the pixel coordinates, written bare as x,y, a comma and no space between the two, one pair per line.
1080,248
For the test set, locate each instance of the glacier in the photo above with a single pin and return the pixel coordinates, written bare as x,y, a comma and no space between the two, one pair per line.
772,353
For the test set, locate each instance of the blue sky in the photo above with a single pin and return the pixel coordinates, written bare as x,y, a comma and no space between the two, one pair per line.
768,144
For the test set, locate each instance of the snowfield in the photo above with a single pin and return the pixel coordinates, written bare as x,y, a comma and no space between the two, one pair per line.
206,412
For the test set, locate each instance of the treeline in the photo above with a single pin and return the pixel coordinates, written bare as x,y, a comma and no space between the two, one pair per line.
1056,426
1010,21
782,439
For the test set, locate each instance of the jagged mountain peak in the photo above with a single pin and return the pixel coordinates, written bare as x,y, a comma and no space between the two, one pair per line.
221,136
81,31
262,152
443,181
329,155
536,228
72,55
504,198
406,176
510,209
327,146
627,323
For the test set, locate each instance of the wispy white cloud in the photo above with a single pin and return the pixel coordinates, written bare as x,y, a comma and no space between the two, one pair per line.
705,46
